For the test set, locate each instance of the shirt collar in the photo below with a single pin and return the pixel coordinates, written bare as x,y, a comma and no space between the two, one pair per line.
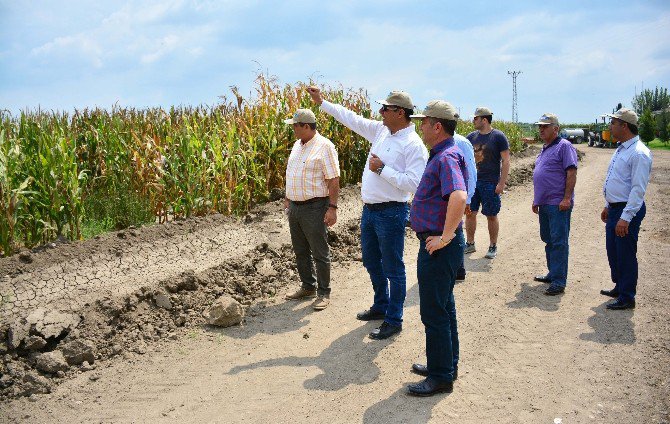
447,142
407,130
316,134
628,143
551,144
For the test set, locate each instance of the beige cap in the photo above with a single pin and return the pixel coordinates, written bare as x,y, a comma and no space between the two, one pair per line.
548,119
483,111
302,116
625,115
398,98
438,109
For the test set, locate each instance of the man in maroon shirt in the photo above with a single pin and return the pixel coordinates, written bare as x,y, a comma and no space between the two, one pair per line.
435,216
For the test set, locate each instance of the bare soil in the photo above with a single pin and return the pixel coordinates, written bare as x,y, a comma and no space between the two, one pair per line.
525,357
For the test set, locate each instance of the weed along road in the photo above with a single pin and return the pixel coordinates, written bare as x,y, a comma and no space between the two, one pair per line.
525,357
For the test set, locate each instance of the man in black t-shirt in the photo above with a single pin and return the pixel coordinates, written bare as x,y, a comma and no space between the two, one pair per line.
492,158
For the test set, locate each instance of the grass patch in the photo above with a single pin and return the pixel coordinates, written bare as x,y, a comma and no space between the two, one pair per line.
657,144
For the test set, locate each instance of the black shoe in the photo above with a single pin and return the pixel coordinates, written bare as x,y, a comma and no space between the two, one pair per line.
370,315
619,305
542,279
460,278
428,387
385,331
610,293
554,290
423,370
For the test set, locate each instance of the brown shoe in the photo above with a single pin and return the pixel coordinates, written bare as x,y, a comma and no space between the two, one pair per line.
321,303
301,293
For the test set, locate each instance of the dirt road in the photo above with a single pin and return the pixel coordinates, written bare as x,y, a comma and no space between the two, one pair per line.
525,357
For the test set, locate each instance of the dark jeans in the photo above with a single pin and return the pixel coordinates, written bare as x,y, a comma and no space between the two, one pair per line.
555,232
622,252
436,274
310,240
382,245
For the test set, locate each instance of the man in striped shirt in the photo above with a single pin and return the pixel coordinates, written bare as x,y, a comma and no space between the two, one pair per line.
312,188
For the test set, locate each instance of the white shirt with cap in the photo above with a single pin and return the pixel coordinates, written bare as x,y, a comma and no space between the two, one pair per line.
628,176
403,154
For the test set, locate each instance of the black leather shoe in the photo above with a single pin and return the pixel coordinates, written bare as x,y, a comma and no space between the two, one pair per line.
370,315
385,331
610,293
542,279
423,370
460,278
619,305
554,290
428,387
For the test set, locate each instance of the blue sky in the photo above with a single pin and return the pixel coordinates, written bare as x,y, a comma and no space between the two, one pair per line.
578,58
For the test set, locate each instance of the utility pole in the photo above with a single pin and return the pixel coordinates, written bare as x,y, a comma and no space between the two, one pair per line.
515,115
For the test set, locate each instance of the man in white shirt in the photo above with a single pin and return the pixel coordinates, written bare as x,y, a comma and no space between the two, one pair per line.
395,165
624,189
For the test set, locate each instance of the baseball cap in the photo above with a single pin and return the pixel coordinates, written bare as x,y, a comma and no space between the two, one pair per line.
625,115
547,119
438,109
483,111
398,98
302,116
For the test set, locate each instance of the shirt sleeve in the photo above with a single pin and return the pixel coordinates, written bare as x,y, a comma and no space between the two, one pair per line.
331,165
451,175
471,167
409,178
367,128
569,156
640,171
503,143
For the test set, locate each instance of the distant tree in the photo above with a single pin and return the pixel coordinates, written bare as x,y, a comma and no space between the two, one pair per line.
647,126
653,100
663,133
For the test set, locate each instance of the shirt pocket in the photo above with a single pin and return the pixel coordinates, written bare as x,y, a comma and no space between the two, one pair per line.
392,155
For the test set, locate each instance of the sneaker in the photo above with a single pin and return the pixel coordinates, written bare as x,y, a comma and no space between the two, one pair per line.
321,303
301,293
493,251
469,248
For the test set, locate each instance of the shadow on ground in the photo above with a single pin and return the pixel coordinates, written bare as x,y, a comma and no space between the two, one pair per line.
610,327
402,408
534,297
334,361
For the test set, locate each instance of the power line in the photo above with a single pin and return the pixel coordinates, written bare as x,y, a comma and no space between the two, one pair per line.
515,115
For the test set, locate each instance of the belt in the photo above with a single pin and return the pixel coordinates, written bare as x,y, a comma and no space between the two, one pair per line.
424,235
383,205
312,200
617,205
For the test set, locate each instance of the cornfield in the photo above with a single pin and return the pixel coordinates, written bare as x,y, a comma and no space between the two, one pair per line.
118,167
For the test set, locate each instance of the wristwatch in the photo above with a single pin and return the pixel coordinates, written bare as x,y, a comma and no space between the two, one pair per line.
380,169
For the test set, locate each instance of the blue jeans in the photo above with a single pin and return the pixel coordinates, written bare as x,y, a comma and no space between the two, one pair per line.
555,232
436,274
622,252
382,245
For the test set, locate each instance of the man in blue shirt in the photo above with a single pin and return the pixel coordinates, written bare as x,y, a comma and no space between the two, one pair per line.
437,209
624,189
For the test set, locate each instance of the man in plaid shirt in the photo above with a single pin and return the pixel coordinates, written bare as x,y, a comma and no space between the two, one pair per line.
436,214
312,188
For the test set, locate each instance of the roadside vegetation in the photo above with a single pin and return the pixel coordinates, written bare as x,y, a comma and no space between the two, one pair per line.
95,170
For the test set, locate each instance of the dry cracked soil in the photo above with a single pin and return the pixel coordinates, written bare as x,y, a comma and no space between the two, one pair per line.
113,329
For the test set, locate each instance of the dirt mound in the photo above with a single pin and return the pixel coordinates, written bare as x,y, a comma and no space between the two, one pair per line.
34,361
